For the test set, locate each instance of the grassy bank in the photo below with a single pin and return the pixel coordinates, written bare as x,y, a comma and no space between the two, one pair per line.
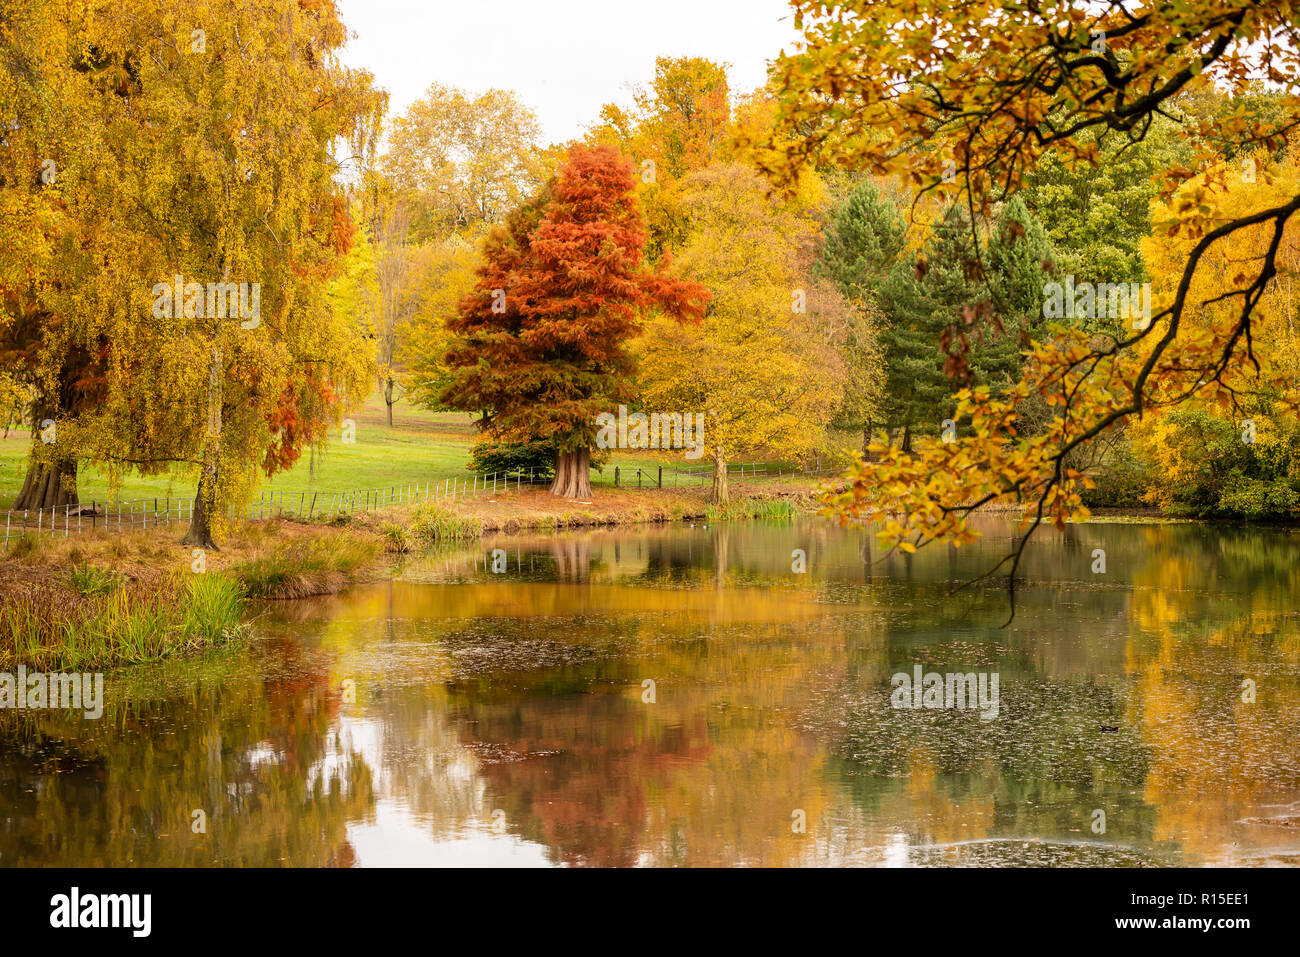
91,618
101,600
408,529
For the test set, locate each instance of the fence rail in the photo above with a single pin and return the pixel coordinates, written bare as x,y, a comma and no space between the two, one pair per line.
141,514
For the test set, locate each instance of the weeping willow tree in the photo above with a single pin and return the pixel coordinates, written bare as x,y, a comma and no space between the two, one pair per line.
186,324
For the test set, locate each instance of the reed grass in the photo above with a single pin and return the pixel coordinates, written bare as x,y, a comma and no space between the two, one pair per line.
55,625
310,566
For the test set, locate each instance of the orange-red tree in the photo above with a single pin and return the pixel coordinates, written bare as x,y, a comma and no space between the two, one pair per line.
540,345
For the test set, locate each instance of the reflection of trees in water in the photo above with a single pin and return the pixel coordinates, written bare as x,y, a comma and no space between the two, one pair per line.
510,693
1215,758
547,702
1182,615
244,750
707,774
1039,768
572,557
423,762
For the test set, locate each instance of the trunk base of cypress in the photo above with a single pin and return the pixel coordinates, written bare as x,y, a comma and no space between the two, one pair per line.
572,474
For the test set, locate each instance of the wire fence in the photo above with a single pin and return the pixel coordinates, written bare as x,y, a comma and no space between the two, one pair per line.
143,514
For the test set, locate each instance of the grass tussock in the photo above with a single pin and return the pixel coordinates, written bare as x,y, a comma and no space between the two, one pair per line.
93,581
94,619
24,546
745,508
433,523
317,565
398,539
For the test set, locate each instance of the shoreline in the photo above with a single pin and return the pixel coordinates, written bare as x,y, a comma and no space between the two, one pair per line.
112,600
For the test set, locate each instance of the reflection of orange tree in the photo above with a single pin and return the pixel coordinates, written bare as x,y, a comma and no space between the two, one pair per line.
716,749
121,790
1214,758
543,685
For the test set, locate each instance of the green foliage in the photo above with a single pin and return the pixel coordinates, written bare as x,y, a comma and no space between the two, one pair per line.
1018,262
1096,217
919,297
746,508
926,296
538,455
864,240
1207,470
92,580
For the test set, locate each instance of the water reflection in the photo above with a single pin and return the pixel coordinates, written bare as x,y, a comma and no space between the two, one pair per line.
461,716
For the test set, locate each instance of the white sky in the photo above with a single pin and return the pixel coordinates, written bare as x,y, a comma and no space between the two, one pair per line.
565,58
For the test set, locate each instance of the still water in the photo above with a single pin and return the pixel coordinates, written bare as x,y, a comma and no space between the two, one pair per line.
679,696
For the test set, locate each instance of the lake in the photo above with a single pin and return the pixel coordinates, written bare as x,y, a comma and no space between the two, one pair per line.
679,695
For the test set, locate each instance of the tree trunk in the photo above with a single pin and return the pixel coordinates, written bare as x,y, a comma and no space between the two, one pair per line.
719,495
573,474
388,398
49,485
200,531
907,438
205,498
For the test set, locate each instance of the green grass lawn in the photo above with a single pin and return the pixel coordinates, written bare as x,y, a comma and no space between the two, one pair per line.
420,447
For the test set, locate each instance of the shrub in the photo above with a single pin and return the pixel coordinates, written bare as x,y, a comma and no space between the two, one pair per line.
1204,468
24,545
538,455
1122,480
397,538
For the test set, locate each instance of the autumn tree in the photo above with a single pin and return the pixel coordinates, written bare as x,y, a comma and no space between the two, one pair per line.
541,343
64,230
458,160
764,367
965,100
396,279
445,272
1243,459
680,122
203,223
864,240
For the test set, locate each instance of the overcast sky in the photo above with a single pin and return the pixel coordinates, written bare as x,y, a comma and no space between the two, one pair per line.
565,58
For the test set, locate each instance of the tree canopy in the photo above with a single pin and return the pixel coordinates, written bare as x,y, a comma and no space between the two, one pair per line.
967,101
541,343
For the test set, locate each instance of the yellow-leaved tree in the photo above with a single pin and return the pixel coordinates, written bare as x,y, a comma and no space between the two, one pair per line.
446,272
961,100
1239,455
764,367
202,223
